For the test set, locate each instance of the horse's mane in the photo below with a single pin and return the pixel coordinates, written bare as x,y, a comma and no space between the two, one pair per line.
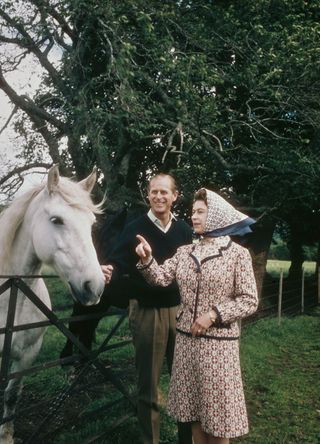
11,218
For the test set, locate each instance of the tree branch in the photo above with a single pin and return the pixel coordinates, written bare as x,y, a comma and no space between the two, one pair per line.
228,166
172,149
21,169
216,138
65,27
15,109
51,141
15,41
28,106
27,42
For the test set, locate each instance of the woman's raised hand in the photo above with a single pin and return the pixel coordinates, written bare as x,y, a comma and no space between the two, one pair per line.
143,250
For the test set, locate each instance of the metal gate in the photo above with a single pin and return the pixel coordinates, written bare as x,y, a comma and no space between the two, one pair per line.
90,358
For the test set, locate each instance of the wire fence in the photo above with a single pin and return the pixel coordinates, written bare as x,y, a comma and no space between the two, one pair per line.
282,296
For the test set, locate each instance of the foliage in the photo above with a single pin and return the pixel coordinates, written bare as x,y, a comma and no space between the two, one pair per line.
209,89
279,250
222,94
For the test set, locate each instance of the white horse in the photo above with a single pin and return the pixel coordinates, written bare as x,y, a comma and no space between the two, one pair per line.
50,224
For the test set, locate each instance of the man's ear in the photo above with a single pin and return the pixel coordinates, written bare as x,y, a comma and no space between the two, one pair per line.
176,195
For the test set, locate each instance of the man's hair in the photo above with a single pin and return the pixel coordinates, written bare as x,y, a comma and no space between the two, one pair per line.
201,195
172,179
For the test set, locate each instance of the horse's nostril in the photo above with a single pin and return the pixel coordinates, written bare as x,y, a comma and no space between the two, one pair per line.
86,286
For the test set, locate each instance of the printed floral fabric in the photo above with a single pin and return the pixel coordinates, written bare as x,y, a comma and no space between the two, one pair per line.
206,385
215,274
221,214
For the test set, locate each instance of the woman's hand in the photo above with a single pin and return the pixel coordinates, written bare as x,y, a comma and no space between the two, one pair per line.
201,324
143,250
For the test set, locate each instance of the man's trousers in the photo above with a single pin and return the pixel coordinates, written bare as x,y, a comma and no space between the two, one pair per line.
153,331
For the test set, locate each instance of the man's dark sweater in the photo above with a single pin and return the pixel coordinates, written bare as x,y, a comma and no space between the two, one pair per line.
164,246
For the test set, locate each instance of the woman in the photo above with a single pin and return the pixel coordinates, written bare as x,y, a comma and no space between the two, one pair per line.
217,288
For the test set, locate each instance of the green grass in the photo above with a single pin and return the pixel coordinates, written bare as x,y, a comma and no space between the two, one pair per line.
282,385
281,374
280,371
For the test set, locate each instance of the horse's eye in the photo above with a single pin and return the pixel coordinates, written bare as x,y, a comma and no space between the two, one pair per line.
56,220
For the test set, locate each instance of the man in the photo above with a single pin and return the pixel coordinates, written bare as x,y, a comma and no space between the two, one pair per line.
152,311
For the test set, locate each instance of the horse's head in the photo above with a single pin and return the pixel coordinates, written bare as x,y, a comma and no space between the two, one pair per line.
63,215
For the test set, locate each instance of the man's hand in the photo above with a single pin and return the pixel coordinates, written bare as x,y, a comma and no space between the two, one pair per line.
107,272
143,250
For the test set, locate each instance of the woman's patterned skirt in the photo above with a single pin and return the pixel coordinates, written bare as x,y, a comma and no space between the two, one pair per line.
206,386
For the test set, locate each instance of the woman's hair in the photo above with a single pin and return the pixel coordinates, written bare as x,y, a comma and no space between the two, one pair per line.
201,195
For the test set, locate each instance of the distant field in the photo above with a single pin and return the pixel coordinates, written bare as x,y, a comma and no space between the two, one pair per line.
274,267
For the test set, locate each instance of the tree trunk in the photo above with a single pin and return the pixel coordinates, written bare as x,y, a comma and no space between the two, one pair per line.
317,261
259,249
295,246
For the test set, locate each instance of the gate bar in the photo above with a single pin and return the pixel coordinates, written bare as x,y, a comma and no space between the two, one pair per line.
8,334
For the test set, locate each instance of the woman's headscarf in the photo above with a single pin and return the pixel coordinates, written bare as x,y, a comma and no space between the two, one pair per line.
223,219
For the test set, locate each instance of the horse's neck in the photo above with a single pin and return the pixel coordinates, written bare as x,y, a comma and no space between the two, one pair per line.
22,259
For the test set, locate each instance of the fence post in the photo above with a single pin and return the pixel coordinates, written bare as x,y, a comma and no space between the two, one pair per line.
302,291
280,296
318,285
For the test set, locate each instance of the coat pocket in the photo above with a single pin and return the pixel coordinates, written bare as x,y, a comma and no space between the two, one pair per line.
179,313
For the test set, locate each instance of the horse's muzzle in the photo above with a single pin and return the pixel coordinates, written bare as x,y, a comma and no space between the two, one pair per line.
84,294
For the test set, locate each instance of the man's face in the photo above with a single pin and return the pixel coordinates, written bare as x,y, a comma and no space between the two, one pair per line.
161,195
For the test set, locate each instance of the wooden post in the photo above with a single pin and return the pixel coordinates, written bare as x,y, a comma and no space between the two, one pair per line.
318,285
302,292
280,296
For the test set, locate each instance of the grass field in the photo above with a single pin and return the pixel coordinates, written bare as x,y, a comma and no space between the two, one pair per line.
282,385
281,377
280,371
274,267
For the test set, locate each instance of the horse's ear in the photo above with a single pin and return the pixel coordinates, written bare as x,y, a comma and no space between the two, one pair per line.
53,178
89,182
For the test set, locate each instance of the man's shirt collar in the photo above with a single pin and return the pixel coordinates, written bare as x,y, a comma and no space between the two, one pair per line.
157,222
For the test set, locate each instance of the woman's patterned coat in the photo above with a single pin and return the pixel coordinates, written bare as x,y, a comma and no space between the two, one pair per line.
222,280
206,385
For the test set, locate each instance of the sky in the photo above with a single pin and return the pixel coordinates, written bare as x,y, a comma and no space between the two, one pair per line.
24,80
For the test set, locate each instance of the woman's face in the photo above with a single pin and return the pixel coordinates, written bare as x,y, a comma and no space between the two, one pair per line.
199,216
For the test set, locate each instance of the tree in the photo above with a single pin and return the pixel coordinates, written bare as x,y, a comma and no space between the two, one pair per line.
223,94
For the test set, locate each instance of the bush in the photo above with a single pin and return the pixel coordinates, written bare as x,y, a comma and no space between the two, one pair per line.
279,250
